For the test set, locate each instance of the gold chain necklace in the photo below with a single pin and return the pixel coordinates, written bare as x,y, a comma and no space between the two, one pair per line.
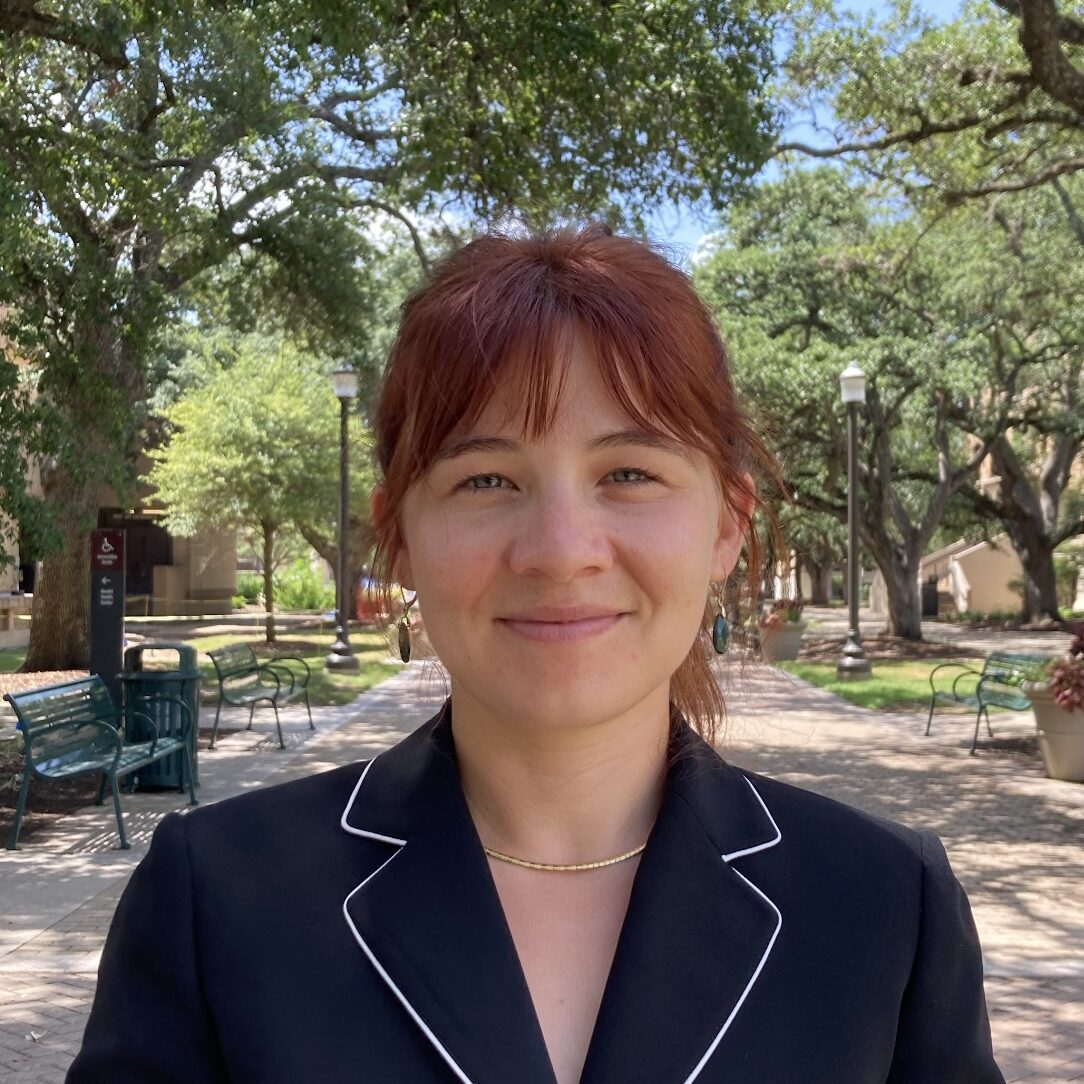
562,867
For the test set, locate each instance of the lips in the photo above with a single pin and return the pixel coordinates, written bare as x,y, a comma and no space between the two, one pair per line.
561,624
580,612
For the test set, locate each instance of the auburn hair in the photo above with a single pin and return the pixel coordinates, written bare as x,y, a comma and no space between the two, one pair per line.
509,305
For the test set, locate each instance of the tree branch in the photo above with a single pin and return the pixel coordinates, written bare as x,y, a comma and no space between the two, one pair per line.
1068,530
1058,169
395,212
21,19
925,130
354,173
358,97
370,136
1068,29
1040,40
1075,222
1060,118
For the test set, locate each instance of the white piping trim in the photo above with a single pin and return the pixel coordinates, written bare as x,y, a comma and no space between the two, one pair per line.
426,1030
361,831
760,846
745,993
771,941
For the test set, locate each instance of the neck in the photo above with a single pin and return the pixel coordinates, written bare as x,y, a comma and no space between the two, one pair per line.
561,794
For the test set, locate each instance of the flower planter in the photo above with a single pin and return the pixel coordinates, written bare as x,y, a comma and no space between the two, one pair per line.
781,643
1061,734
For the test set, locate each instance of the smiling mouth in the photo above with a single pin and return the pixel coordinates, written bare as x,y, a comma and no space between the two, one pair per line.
559,632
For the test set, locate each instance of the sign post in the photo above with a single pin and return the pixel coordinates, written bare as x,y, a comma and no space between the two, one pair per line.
107,608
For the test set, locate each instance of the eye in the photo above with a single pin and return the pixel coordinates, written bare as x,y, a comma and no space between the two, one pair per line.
633,476
478,482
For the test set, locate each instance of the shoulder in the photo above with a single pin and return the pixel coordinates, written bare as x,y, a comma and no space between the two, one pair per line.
864,876
296,814
825,838
807,812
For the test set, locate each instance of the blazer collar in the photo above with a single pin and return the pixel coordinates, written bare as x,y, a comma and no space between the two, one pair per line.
696,936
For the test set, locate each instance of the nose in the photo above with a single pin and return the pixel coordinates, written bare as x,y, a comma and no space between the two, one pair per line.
562,535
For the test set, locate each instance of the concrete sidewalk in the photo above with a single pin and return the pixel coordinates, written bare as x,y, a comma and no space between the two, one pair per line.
1014,837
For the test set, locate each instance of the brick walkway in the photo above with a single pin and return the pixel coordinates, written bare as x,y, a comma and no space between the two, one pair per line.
1014,838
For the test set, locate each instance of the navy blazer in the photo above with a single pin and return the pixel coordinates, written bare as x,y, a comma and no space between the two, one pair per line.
345,928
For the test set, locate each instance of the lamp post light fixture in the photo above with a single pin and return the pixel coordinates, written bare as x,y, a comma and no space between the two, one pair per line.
344,381
852,662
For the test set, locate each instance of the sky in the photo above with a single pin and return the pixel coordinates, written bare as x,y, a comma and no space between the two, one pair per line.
683,230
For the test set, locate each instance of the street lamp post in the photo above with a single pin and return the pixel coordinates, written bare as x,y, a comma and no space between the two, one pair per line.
345,383
852,662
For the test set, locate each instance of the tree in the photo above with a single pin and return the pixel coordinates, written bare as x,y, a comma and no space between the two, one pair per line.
144,145
254,445
814,271
818,541
990,103
1026,271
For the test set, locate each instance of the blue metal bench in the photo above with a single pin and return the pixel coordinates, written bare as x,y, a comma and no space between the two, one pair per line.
243,679
997,684
74,729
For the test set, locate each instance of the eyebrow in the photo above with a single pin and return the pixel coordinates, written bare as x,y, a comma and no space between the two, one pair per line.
632,437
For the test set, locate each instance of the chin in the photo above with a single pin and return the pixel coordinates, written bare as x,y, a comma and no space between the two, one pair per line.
564,704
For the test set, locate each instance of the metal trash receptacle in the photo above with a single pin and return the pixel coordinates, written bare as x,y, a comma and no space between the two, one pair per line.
144,690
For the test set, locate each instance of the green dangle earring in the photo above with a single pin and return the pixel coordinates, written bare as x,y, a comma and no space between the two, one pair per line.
720,629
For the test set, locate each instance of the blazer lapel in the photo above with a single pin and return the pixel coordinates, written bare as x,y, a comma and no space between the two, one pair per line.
697,933
428,918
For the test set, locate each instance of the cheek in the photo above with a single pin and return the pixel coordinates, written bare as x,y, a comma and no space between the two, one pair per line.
452,563
676,546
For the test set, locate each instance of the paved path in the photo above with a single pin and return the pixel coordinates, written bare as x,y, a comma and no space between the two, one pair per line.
1014,838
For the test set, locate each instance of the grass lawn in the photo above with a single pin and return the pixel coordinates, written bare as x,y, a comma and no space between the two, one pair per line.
894,685
11,659
325,686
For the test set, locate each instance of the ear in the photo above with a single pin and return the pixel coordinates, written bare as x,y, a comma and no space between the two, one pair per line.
378,502
734,519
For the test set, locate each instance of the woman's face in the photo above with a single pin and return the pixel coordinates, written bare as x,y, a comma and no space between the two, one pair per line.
562,581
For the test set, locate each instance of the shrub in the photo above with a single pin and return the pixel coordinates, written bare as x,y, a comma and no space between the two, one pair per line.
301,587
1066,570
250,586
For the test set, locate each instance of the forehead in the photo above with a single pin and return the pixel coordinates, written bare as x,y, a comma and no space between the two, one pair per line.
578,393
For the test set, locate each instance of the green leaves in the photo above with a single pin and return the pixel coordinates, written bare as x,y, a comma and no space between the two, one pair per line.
967,326
254,438
947,112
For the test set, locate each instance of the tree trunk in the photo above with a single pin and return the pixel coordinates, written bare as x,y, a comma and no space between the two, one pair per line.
1029,514
359,557
1037,560
98,439
904,601
1041,588
820,580
269,581
60,617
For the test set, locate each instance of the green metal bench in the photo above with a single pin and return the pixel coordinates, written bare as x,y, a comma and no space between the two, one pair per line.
243,679
74,729
997,684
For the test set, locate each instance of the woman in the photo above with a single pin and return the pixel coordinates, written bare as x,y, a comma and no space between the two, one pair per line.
556,878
